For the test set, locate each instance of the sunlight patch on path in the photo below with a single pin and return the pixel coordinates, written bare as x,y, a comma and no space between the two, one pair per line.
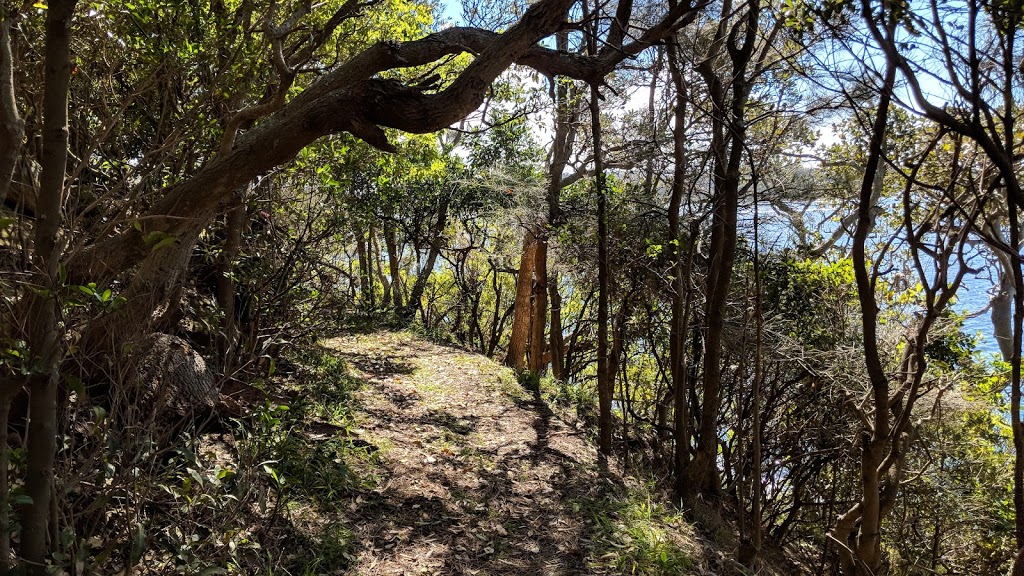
478,476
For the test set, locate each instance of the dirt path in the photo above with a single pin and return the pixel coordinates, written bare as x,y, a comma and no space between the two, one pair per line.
479,476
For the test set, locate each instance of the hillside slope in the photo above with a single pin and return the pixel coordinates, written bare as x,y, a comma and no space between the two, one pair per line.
476,475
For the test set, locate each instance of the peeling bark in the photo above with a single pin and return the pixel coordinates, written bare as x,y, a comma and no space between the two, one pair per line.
516,355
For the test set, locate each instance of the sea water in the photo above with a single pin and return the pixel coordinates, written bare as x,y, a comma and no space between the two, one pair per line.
775,233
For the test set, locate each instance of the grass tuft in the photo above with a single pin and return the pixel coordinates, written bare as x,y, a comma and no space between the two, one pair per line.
634,533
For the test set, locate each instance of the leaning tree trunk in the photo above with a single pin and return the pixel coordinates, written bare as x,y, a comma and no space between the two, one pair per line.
351,98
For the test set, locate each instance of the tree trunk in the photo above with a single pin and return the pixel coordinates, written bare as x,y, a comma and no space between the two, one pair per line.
233,228
436,240
615,354
516,355
681,293
394,267
757,495
43,338
371,266
12,128
12,132
557,343
381,276
365,279
728,140
6,395
566,116
1018,310
540,306
864,552
605,379
1017,426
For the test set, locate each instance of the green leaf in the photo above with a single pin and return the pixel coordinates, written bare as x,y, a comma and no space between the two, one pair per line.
163,242
138,544
75,384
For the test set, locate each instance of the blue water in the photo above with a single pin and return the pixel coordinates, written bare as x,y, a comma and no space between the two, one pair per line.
775,233
974,296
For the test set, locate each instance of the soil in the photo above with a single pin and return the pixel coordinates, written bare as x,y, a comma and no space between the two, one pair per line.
477,475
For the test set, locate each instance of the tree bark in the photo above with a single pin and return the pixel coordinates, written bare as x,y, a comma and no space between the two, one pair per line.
518,339
682,295
540,306
225,283
43,337
605,378
12,127
728,141
394,267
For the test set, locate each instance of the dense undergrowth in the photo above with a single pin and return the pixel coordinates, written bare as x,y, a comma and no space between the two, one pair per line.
250,498
268,493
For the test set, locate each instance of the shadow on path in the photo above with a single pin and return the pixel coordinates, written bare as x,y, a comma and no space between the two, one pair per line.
478,475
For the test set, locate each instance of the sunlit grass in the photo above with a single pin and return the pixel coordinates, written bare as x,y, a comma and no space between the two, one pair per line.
634,533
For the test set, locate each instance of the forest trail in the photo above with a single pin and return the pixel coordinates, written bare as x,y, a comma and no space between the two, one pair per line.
478,475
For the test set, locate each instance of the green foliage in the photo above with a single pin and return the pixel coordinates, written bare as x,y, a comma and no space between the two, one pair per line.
812,299
952,350
964,492
635,532
509,142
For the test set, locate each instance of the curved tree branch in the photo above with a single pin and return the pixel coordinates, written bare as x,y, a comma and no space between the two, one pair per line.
350,99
